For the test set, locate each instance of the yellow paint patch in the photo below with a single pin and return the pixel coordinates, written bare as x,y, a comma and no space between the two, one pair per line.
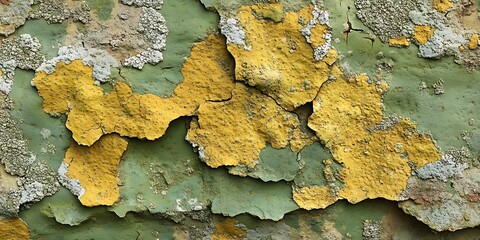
13,229
401,41
375,160
442,5
280,63
235,131
422,33
272,11
228,230
91,113
314,197
473,43
95,167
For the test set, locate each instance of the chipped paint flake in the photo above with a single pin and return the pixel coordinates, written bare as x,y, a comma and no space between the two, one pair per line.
249,112
473,43
400,41
314,197
95,169
442,5
422,33
280,61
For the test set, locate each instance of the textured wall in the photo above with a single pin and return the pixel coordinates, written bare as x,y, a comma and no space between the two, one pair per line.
250,119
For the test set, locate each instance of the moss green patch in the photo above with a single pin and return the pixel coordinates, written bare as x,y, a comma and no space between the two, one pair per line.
274,165
32,120
166,176
188,22
312,173
97,223
102,8
49,35
233,195
161,176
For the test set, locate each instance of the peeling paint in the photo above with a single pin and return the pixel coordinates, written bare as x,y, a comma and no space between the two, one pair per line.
256,116
346,114
275,45
290,110
92,114
94,169
13,229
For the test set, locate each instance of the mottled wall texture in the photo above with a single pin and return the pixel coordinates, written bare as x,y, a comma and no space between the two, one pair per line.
248,119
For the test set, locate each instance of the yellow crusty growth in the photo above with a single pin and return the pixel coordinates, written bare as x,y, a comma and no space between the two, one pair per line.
442,5
272,11
14,229
228,230
473,43
95,167
376,159
401,41
91,113
235,131
422,33
314,197
280,63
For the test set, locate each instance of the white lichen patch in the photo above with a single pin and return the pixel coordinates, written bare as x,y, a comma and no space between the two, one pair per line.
71,184
18,52
13,15
57,11
233,31
156,4
184,205
100,60
319,17
154,28
445,41
447,167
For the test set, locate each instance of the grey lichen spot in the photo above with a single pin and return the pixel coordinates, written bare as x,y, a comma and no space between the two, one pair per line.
100,60
447,167
154,28
18,52
156,4
438,87
45,133
318,17
57,11
387,123
233,31
372,230
386,18
13,15
38,182
34,179
71,184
